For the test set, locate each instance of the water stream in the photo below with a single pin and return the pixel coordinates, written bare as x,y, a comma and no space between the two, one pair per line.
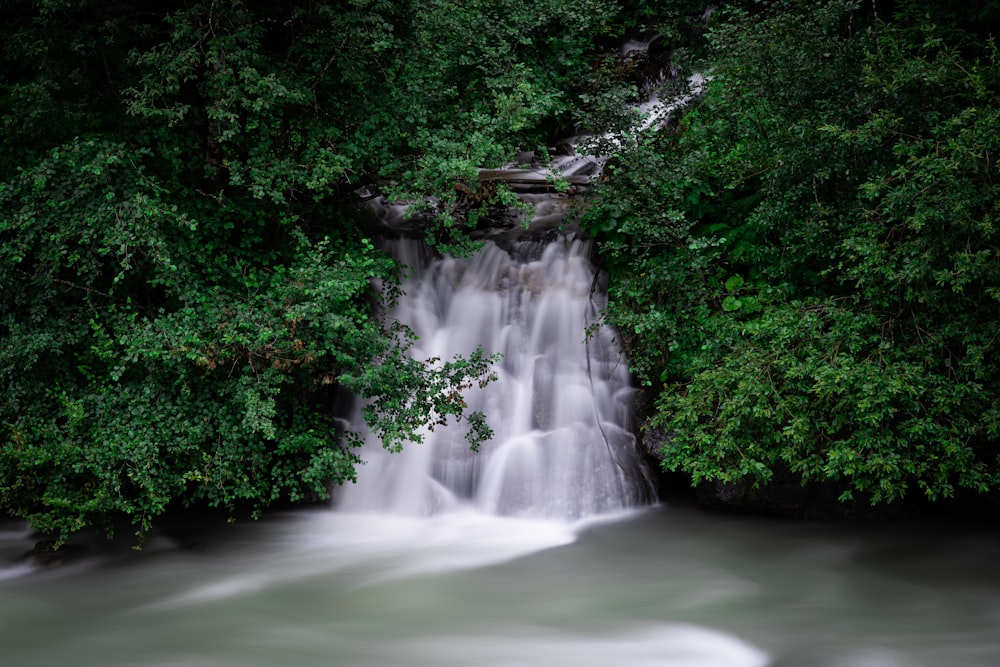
562,447
664,586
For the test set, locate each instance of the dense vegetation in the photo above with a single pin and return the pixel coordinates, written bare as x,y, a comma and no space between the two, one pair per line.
803,262
186,281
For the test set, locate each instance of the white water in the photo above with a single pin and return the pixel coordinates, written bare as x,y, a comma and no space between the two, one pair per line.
562,449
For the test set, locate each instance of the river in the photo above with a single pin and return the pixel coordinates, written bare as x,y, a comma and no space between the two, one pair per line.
669,586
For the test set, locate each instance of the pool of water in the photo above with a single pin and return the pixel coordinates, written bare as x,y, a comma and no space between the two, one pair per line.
666,586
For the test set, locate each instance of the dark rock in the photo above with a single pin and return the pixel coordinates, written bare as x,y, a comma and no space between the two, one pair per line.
47,554
563,148
783,495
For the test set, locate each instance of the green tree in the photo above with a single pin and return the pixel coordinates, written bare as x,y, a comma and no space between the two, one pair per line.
187,276
805,268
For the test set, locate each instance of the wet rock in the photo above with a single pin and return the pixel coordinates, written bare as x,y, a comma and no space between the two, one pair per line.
47,554
782,496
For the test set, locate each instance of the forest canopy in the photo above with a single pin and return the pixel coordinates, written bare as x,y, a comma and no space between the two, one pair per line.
802,260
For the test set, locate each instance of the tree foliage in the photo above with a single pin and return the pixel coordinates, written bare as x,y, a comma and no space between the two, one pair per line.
803,259
805,264
188,281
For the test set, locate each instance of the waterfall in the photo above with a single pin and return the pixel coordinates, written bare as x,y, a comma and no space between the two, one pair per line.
559,407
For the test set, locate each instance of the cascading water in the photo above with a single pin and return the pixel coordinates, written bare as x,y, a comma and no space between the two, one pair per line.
559,406
562,447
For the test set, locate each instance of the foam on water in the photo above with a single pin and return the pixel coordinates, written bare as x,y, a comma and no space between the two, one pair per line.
676,645
559,406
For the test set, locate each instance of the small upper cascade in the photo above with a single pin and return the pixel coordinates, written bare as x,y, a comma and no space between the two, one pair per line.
550,182
565,163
